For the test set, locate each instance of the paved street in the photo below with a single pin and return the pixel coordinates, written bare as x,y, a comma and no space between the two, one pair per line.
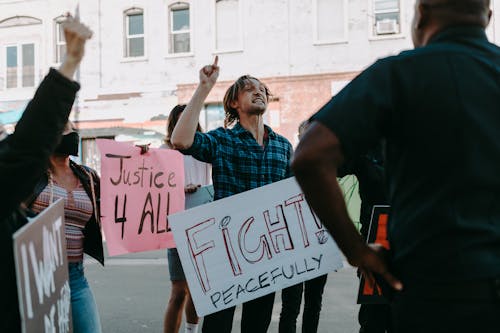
132,292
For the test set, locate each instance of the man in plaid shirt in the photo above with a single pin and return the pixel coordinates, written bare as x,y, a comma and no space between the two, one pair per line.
244,157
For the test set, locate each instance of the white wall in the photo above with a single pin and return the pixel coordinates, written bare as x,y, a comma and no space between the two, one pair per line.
277,40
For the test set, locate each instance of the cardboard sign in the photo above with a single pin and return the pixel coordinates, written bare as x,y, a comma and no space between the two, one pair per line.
42,273
137,193
251,244
203,195
370,292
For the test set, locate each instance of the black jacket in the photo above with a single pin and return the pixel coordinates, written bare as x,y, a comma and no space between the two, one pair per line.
92,244
23,160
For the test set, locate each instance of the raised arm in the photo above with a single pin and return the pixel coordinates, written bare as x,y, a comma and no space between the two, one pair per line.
183,134
76,34
24,154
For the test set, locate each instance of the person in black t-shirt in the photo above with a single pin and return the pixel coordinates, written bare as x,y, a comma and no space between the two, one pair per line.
437,107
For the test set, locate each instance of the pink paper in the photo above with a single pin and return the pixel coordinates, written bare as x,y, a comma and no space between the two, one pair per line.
137,193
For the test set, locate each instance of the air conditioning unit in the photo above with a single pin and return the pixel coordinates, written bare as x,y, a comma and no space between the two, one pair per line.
386,27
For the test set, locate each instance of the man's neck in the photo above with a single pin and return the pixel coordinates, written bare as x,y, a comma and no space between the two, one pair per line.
255,125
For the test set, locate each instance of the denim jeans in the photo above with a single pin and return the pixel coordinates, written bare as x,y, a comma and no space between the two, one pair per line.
291,298
83,306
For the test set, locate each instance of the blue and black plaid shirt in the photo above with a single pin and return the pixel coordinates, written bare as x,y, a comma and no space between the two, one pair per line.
239,163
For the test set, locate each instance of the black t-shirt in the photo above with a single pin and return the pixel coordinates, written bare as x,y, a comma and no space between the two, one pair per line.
438,107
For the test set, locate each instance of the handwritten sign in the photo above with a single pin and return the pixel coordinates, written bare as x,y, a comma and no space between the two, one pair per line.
137,193
42,273
370,292
251,244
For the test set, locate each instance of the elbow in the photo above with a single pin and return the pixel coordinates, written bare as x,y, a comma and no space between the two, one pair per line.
179,144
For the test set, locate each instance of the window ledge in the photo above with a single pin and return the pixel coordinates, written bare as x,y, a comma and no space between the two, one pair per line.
388,36
227,51
179,55
134,59
331,42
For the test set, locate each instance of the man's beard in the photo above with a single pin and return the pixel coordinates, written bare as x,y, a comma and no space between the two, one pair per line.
257,110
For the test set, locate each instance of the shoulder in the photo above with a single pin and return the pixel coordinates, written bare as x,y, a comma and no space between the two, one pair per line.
221,134
281,141
82,171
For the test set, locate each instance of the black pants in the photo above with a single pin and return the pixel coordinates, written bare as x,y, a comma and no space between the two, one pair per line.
291,298
375,318
472,306
255,318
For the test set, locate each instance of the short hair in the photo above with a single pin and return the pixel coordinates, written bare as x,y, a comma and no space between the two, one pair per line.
173,117
231,115
459,7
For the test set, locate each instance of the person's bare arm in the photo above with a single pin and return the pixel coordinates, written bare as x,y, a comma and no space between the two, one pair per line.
315,164
183,134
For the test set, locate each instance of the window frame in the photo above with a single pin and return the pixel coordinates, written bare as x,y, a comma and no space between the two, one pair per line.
58,43
126,37
372,35
19,67
239,47
170,29
315,27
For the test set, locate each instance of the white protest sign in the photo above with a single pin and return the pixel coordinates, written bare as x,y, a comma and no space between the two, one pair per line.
42,273
251,244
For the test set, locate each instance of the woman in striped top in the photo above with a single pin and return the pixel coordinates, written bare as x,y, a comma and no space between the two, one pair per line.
79,187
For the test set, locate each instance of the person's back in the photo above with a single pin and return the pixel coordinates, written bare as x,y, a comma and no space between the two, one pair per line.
443,148
438,109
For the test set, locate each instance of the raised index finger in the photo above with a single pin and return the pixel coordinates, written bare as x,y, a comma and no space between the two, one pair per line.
77,12
216,60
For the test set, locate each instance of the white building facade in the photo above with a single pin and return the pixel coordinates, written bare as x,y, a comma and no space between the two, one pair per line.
145,55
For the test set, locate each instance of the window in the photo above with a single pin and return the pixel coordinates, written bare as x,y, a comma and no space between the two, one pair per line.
20,65
330,21
180,29
387,17
134,33
11,66
212,117
59,41
227,25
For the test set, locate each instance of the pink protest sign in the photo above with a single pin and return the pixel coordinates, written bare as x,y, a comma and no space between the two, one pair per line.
137,193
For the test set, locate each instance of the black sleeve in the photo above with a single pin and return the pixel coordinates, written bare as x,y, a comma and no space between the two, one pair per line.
349,167
24,155
359,115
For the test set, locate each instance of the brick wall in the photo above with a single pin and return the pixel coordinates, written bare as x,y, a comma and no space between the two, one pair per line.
296,97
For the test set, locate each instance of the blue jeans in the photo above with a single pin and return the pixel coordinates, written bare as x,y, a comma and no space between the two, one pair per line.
83,306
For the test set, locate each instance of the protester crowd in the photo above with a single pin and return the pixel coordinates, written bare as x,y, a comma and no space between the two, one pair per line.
420,131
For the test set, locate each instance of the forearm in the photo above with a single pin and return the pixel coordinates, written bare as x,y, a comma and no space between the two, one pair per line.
69,67
315,165
323,192
183,134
